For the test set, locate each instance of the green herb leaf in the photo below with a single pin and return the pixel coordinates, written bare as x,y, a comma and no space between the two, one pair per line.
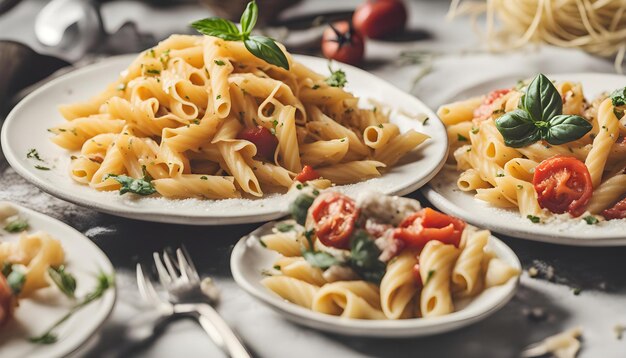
337,78
16,225
133,185
319,259
461,138
566,128
65,281
283,227
218,27
618,97
249,17
431,273
16,280
219,63
518,129
267,50
299,207
33,154
41,167
542,100
364,257
533,218
591,220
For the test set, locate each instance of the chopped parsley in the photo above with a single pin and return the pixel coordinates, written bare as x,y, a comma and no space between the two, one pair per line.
431,273
315,87
500,175
218,97
534,219
33,154
17,225
337,78
41,167
204,177
591,220
284,227
461,138
475,130
141,186
381,126
219,62
425,121
153,71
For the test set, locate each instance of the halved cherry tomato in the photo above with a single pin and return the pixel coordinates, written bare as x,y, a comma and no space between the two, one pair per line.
380,18
307,173
342,43
428,224
563,184
263,139
335,216
417,276
618,211
485,111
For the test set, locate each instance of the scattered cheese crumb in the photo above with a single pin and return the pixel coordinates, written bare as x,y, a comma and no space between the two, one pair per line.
533,272
562,345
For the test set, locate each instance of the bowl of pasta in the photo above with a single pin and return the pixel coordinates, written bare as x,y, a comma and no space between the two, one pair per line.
56,286
377,265
197,130
543,160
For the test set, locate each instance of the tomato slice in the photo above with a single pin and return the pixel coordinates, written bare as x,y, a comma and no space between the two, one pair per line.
428,224
264,141
563,184
618,211
484,111
335,216
307,173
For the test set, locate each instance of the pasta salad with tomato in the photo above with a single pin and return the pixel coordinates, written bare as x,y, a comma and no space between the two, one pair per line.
542,148
378,257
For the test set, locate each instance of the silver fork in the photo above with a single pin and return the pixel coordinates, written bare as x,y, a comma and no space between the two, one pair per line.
188,294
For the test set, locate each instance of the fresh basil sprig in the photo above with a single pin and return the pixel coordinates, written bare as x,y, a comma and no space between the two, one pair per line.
65,281
364,257
262,47
618,97
539,116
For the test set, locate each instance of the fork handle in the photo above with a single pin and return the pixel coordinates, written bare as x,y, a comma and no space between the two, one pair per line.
219,331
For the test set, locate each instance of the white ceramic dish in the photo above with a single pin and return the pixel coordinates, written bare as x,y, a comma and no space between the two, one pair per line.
249,259
25,128
34,315
442,191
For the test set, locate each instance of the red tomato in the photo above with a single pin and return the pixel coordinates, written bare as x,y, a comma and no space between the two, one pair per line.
563,184
428,224
307,173
263,139
335,215
7,301
618,211
484,111
380,18
417,276
342,43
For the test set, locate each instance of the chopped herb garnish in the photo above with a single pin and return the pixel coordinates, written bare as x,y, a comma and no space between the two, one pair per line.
64,280
591,220
381,126
337,78
153,71
430,275
576,291
461,138
33,154
299,207
534,219
218,97
204,177
425,120
500,175
364,257
519,186
219,62
132,185
41,167
315,87
284,227
16,225
475,130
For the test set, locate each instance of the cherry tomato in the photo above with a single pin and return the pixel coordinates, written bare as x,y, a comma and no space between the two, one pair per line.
342,43
307,173
380,18
428,224
563,184
417,276
484,111
263,139
7,301
618,211
335,216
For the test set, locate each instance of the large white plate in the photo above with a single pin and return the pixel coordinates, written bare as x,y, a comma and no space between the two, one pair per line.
442,191
249,259
34,315
25,128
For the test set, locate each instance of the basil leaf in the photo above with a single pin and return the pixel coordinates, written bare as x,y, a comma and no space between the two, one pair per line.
517,129
618,97
542,101
364,257
133,185
299,208
566,128
319,259
65,281
218,27
248,18
267,50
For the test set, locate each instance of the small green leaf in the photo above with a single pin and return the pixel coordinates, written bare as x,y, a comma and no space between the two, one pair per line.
283,227
319,259
249,17
16,225
65,281
517,129
566,128
542,100
299,207
267,50
133,185
218,27
337,78
533,218
364,257
591,220
618,97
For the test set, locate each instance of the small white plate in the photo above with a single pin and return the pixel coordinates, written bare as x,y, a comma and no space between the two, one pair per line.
442,191
249,259
25,128
34,315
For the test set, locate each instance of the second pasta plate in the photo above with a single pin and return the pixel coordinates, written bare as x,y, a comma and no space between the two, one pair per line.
583,230
27,146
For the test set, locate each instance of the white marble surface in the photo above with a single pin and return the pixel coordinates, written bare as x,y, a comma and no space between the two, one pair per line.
599,272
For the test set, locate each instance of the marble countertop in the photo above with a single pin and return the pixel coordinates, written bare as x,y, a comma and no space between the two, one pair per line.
597,272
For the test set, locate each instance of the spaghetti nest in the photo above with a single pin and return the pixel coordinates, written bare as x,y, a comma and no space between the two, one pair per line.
595,26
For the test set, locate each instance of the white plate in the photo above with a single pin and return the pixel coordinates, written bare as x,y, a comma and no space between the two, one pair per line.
249,259
34,315
25,128
442,191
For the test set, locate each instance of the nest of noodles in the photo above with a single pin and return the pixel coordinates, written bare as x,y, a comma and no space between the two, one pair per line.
595,26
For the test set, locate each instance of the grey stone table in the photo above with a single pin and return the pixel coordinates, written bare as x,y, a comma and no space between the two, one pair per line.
598,275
